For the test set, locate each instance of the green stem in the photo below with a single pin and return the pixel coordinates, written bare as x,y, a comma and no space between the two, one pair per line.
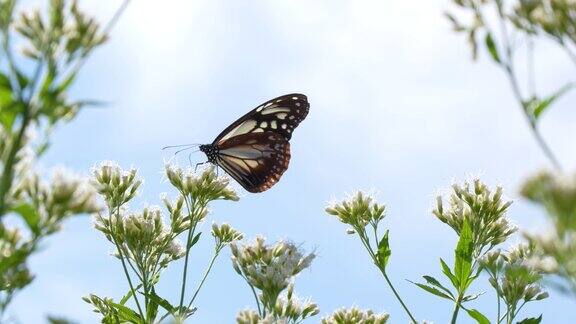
508,66
498,314
398,296
205,275
118,247
256,298
366,244
456,309
191,211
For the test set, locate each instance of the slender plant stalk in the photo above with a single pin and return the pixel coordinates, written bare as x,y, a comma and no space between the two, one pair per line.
205,276
368,247
498,313
456,309
508,65
191,210
134,295
255,297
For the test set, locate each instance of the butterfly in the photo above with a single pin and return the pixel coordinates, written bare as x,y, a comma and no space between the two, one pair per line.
255,149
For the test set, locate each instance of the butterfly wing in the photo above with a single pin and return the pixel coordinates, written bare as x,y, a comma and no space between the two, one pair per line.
255,160
280,115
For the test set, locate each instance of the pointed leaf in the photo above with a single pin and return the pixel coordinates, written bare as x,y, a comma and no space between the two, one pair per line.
531,320
195,240
384,252
162,302
126,314
472,297
29,215
463,256
432,281
537,107
448,273
491,47
129,295
432,290
479,317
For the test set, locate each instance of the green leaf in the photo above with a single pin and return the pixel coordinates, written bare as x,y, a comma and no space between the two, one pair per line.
531,320
195,240
129,295
492,49
23,80
384,252
48,80
432,290
463,257
472,297
58,320
448,273
432,281
125,313
162,302
152,308
66,83
479,317
5,82
30,216
6,99
538,106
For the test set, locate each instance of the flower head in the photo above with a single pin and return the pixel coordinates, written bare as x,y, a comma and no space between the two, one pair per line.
205,186
556,193
483,209
116,185
225,234
358,211
141,236
269,268
354,315
252,317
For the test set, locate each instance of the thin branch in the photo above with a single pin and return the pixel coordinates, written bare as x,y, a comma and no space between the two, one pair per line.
218,249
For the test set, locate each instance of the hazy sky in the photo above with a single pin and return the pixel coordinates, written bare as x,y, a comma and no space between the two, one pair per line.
397,106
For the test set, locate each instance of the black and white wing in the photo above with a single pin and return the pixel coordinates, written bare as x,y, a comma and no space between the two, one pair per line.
280,115
255,160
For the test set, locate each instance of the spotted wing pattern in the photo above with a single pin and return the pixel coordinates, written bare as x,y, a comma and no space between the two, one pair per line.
280,115
255,160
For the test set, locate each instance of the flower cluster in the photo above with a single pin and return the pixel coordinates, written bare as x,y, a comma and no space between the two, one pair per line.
269,268
225,234
204,187
358,211
117,186
288,309
513,276
45,205
354,315
293,309
145,244
48,37
554,17
142,237
556,249
252,317
557,194
483,209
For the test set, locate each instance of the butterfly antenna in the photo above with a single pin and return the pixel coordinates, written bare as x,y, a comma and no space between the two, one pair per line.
182,145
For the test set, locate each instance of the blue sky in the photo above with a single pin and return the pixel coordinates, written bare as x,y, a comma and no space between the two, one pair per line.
397,107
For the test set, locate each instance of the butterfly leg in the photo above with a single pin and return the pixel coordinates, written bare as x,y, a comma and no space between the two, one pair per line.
198,164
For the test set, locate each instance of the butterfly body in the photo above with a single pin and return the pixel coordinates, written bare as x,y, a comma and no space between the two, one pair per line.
255,149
